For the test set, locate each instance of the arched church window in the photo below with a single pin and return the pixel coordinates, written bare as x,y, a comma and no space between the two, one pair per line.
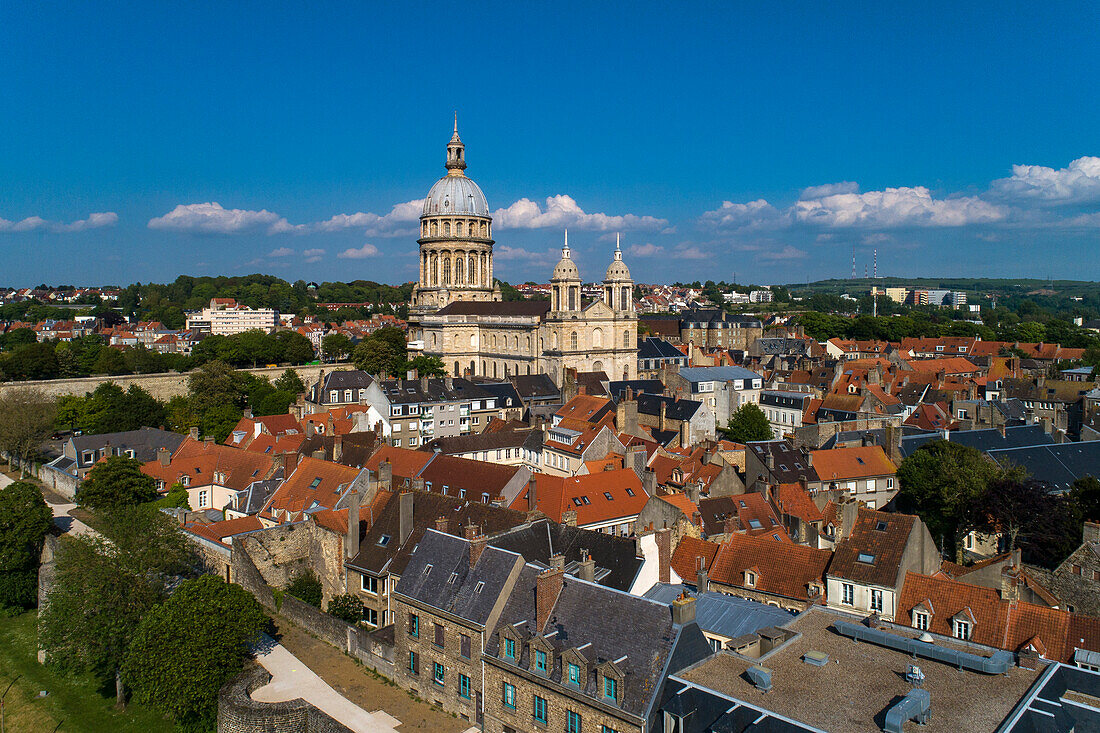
597,338
435,228
473,341
573,341
572,299
528,344
484,229
459,279
458,228
626,339
597,366
447,271
446,229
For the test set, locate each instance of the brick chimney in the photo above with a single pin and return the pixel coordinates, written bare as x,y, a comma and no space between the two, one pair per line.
442,524
587,567
404,517
290,462
662,422
164,456
351,543
193,433
664,555
477,546
548,587
470,531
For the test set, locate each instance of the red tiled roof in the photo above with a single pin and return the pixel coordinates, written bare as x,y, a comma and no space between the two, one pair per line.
781,568
200,461
794,500
404,462
220,531
880,535
587,496
949,365
685,559
1010,625
313,483
683,503
841,464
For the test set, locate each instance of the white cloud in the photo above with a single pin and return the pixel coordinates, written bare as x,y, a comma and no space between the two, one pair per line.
785,253
367,250
34,223
373,224
755,215
505,253
1079,182
644,250
896,207
562,211
281,252
212,218
830,189
314,255
689,252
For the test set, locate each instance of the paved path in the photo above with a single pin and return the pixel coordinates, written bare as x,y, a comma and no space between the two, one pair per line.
60,512
291,679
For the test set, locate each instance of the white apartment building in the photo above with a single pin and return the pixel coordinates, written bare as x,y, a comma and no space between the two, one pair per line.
224,318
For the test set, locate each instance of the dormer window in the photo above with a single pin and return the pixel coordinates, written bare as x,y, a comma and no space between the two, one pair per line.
540,661
920,620
962,629
610,688
574,674
750,579
510,648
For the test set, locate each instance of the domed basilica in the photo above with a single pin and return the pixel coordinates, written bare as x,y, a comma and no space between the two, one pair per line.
457,313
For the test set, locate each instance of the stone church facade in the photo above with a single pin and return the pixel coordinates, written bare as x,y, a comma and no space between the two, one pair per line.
457,313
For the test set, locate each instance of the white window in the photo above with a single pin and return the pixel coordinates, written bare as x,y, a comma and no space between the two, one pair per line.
920,621
397,442
876,600
851,486
847,594
750,579
362,394
412,442
889,483
203,499
370,616
370,583
870,484
397,427
347,395
962,629
334,395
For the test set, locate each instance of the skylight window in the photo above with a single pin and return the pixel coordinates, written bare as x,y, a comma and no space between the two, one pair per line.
607,495
865,557
630,492
576,501
383,540
742,503
480,586
860,460
585,500
315,483
453,578
428,568
755,524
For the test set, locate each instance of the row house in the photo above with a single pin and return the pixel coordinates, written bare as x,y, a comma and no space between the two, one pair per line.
608,501
417,410
724,389
214,474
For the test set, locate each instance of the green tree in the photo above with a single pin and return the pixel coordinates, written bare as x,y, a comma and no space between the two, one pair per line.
376,356
110,585
1085,495
294,347
747,424
289,381
425,366
26,419
335,346
347,607
185,649
176,498
943,483
24,520
307,587
116,482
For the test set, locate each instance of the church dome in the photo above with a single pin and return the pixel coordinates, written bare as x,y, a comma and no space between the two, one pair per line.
455,194
617,270
566,269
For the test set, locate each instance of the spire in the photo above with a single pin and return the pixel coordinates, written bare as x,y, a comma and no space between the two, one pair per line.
565,249
618,252
456,153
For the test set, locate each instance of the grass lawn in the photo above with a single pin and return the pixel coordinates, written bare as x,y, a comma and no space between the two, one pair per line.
73,703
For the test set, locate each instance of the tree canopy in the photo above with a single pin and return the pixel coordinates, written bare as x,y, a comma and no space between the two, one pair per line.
26,419
116,482
747,424
186,648
25,519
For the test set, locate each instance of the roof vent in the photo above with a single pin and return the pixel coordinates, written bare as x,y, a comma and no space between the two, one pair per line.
761,677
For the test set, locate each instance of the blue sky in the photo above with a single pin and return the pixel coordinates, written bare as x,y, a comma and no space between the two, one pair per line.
766,140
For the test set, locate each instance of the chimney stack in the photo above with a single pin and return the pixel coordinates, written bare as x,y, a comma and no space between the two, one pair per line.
548,587
385,475
351,544
248,412
557,562
664,555
290,462
532,498
470,531
569,517
1010,583
404,517
477,546
587,569
164,456
662,423
337,448
193,432
442,524
683,610
702,582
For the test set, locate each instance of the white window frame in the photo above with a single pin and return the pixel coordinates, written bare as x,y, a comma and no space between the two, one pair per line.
876,600
847,594
920,621
962,629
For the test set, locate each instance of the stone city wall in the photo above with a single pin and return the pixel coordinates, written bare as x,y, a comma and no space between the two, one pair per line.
239,713
162,386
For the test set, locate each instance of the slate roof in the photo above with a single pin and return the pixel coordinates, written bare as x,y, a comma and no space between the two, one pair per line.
658,348
340,380
486,441
782,568
637,386
391,556
439,574
681,410
535,387
721,614
717,374
789,464
448,389
1016,436
615,557
1057,465
505,392
145,442
537,308
634,632
879,536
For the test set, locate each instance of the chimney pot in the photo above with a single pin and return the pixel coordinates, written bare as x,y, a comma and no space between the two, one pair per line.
164,456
